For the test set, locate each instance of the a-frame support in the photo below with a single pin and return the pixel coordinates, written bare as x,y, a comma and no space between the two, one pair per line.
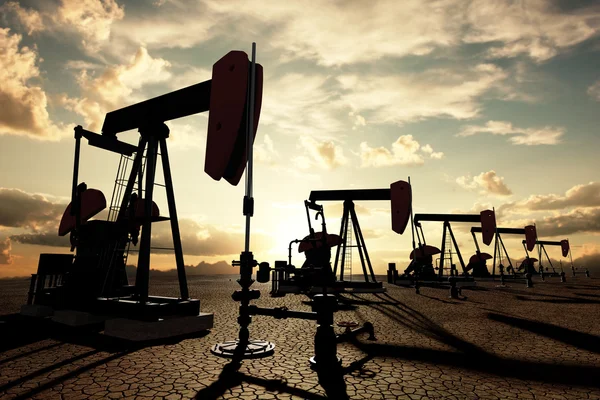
541,249
349,216
448,228
498,248
153,137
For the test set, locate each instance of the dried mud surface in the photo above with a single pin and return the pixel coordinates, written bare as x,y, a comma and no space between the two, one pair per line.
498,343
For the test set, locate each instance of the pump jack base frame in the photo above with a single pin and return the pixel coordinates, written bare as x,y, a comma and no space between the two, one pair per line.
126,318
256,348
169,327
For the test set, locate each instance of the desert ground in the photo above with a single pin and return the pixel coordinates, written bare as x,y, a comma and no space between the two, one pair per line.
494,343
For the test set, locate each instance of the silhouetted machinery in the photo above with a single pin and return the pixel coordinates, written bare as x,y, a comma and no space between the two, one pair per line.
317,272
324,304
566,251
499,248
421,266
94,280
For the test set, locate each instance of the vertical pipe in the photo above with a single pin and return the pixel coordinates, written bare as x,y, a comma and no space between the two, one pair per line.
183,288
250,142
143,269
246,258
78,129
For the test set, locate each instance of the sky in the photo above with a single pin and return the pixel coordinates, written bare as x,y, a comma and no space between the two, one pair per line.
483,104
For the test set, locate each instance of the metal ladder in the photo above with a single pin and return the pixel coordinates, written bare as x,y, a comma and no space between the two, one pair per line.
123,170
448,253
348,255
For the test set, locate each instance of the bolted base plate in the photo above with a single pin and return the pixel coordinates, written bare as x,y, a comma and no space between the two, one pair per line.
256,348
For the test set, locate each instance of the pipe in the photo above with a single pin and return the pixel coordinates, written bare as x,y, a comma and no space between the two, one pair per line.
281,313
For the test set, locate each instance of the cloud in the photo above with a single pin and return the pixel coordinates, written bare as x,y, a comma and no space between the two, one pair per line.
290,27
49,238
594,91
527,136
171,25
586,195
36,213
301,104
24,105
114,86
436,92
405,151
373,233
5,248
575,221
206,240
589,261
19,209
335,210
538,28
91,19
30,19
429,150
319,153
486,182
265,152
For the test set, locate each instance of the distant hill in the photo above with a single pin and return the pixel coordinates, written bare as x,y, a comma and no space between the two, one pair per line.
203,268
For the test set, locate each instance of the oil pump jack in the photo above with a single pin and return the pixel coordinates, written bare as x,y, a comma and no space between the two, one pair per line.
529,243
421,265
566,251
324,305
317,246
94,280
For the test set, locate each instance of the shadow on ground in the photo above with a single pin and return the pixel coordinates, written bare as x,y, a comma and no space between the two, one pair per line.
580,340
17,330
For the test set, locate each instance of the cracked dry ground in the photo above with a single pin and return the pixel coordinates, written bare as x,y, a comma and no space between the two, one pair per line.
499,343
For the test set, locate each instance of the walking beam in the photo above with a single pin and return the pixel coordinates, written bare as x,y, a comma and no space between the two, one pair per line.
399,195
225,96
487,218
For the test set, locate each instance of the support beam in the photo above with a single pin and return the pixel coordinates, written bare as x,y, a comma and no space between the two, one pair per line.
183,288
143,268
508,231
462,263
448,217
351,194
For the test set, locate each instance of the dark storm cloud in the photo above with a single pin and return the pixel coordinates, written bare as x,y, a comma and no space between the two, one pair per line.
19,209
